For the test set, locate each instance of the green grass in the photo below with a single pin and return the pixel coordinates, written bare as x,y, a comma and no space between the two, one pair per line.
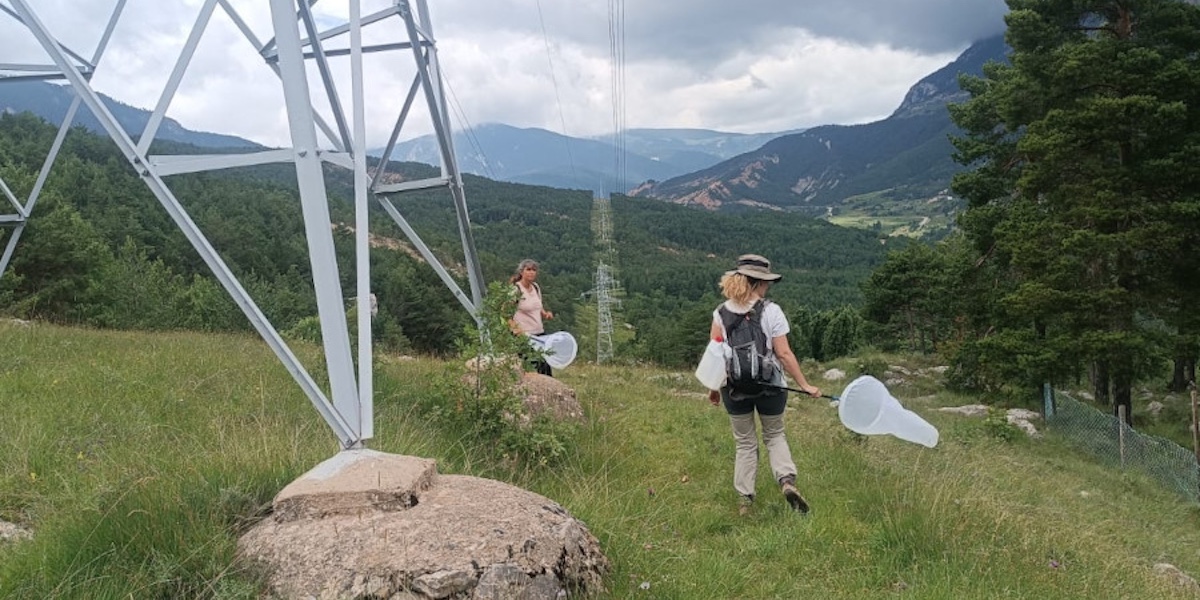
911,225
138,458
889,216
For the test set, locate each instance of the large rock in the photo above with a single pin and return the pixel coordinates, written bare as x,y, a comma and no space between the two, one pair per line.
542,395
967,410
834,375
13,533
1017,417
1178,577
367,525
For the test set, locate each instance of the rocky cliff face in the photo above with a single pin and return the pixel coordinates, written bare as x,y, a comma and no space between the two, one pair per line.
940,88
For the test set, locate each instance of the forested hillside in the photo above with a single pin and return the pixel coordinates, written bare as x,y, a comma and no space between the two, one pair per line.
100,251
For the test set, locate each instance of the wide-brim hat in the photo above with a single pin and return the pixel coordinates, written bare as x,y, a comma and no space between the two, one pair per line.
754,267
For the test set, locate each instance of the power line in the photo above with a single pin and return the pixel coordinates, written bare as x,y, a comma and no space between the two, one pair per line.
616,42
467,129
557,97
607,287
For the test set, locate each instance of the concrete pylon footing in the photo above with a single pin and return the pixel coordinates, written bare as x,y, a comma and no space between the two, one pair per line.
370,525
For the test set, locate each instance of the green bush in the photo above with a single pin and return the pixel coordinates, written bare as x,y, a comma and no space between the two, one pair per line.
871,365
307,329
997,426
487,397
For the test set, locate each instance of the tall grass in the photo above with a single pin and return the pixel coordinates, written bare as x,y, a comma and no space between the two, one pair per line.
137,459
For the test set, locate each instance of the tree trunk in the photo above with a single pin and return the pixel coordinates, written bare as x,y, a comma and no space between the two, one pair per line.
1100,382
912,329
1179,379
1123,392
933,335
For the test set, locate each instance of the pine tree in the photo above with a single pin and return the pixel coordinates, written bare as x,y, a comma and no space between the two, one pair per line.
1083,180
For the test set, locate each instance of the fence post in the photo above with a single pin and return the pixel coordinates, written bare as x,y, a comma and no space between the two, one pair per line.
1195,422
1048,402
1195,427
1121,431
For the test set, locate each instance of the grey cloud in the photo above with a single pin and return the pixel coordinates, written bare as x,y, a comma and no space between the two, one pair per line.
699,62
705,32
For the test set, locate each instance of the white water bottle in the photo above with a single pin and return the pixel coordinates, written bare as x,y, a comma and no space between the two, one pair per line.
711,371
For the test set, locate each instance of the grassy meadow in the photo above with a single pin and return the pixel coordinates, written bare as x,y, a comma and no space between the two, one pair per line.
894,217
137,459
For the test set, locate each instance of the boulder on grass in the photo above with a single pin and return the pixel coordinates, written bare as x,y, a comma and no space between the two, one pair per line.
547,396
13,533
367,525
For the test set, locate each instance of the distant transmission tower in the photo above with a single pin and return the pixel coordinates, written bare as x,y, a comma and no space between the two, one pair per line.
606,283
295,50
604,325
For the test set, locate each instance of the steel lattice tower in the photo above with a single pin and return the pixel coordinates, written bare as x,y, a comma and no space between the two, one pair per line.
295,48
606,286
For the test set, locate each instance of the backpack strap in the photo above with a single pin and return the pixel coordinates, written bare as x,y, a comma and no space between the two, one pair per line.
757,310
536,288
728,318
755,315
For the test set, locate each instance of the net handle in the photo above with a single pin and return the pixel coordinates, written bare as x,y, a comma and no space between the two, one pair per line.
784,387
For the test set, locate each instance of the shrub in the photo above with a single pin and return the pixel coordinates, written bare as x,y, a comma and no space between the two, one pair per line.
488,397
871,365
997,426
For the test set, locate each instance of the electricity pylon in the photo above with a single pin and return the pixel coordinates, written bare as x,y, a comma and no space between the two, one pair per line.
295,47
606,284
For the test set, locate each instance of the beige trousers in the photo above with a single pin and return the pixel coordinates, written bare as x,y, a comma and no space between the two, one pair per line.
745,466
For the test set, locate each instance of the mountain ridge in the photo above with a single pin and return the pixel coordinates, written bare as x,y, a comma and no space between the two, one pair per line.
539,156
50,102
907,156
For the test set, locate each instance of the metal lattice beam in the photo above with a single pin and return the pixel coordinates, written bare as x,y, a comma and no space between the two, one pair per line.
606,286
350,412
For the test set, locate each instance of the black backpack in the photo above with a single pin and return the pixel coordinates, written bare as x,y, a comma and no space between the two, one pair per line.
748,368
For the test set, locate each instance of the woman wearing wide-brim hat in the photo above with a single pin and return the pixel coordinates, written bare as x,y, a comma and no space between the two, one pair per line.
745,288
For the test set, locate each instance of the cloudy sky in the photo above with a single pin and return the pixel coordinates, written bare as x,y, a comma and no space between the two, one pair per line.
750,66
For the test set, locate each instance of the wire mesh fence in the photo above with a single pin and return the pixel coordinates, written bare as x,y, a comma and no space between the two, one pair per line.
1114,443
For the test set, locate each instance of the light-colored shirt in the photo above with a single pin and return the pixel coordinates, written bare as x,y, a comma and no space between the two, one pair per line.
529,311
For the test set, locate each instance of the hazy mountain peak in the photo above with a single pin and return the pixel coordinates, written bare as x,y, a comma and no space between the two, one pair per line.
939,88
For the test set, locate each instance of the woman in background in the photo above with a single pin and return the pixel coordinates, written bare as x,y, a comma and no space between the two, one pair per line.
527,320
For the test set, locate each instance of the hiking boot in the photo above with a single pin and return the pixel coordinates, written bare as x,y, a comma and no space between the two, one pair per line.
744,505
794,499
